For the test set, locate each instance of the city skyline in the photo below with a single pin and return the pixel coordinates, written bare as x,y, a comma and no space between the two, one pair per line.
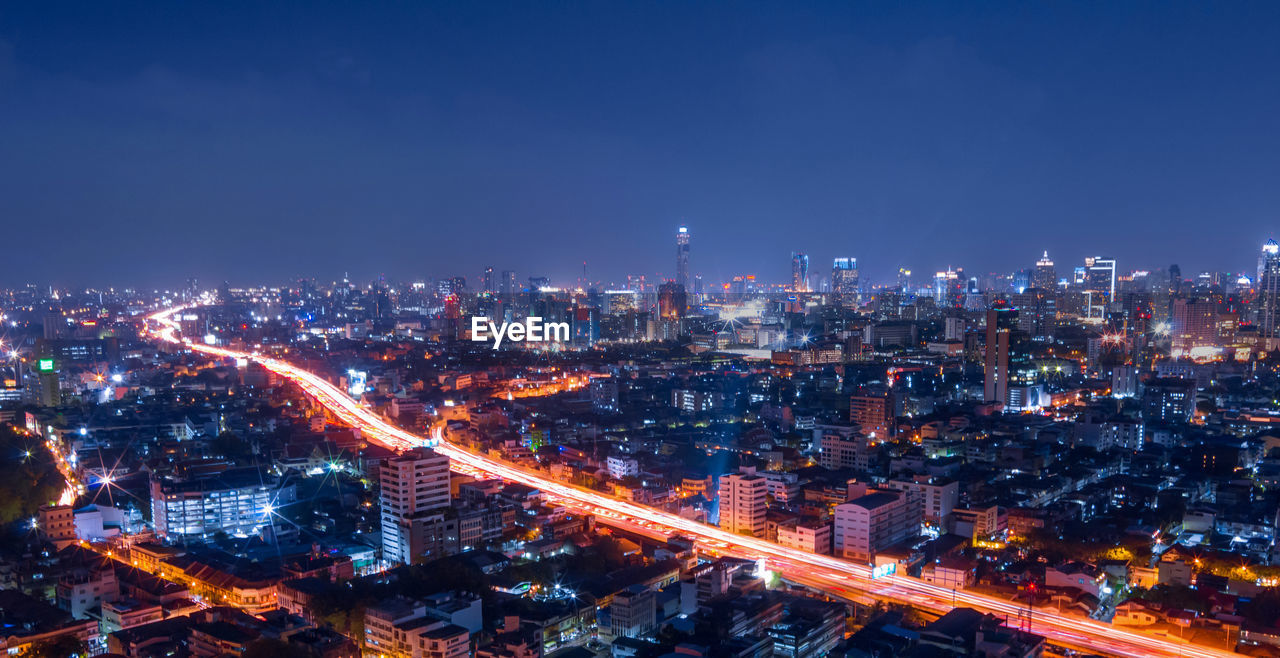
920,135
781,273
585,330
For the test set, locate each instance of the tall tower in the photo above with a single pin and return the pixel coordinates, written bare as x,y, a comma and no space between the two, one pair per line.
1269,294
1045,276
682,257
799,272
1002,320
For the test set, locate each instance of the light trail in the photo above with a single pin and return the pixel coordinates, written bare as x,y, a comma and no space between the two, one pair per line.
829,573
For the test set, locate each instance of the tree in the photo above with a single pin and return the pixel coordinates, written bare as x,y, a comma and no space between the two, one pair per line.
62,646
28,476
231,446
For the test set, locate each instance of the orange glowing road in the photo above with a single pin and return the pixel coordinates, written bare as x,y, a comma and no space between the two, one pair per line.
827,573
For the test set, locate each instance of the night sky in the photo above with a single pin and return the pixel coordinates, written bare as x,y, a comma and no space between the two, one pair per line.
240,142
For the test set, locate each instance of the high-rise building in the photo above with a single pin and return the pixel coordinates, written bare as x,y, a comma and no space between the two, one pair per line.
904,279
743,503
415,484
488,280
508,283
672,301
1195,324
682,257
949,287
844,278
1002,322
1099,284
1044,276
1269,295
1168,400
799,272
875,411
1037,311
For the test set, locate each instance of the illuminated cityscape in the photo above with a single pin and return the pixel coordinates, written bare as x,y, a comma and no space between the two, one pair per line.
394,359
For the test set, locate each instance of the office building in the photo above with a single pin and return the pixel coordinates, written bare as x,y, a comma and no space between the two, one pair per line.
1168,400
1044,276
671,302
508,284
799,272
1194,325
1001,322
682,257
237,502
604,395
1269,296
1099,284
844,279
875,411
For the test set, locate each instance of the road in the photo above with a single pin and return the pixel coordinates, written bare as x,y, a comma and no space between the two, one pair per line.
826,572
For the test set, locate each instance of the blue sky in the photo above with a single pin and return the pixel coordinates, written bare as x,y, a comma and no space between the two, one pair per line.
148,143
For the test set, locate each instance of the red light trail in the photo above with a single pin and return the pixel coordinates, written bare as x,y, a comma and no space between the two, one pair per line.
824,572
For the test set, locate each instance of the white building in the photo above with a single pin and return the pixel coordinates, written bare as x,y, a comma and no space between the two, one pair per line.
950,572
873,522
743,503
938,495
841,446
405,629
783,486
238,502
633,612
622,467
414,484
813,537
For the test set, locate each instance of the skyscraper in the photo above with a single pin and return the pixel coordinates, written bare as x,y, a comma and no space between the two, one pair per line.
1269,295
488,280
1002,321
508,283
1044,276
799,272
1194,324
682,257
672,301
844,278
1100,284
